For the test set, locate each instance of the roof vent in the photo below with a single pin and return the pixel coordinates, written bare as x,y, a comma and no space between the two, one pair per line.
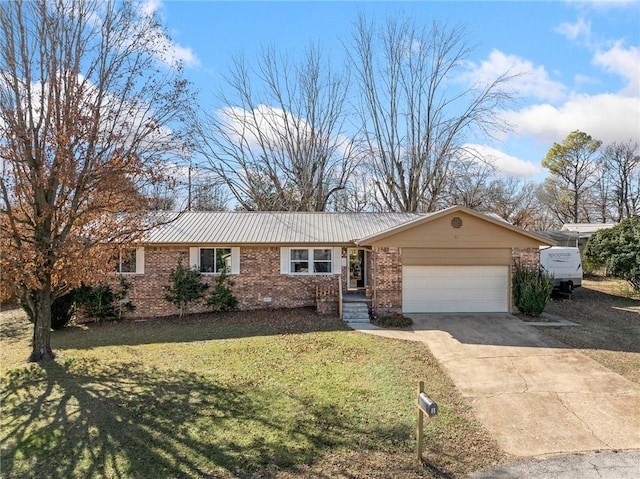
456,222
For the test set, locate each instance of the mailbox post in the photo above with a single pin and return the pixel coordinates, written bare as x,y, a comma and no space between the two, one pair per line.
427,406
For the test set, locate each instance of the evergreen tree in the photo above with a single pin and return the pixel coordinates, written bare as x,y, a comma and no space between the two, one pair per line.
186,287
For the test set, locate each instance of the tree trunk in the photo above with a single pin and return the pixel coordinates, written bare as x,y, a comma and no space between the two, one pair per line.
41,307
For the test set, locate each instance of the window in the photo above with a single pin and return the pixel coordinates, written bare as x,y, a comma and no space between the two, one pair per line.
310,261
212,260
299,261
130,260
322,260
215,260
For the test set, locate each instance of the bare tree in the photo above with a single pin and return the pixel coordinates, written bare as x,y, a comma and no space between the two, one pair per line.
87,114
557,200
621,164
358,194
598,200
470,187
515,200
209,194
414,115
161,196
278,141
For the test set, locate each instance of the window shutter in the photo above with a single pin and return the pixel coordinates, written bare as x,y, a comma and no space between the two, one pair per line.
336,260
194,261
284,260
139,260
235,260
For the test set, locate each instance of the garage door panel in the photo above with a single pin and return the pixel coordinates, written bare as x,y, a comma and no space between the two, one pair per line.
455,289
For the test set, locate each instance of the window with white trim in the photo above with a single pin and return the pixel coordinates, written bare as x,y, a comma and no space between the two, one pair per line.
130,261
310,261
215,260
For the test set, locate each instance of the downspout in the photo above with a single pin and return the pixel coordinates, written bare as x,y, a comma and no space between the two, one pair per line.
374,289
340,295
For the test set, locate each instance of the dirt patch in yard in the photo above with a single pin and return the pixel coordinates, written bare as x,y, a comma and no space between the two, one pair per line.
609,318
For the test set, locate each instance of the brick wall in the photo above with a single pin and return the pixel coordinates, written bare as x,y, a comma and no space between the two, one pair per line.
387,271
147,290
327,302
529,257
260,279
259,284
387,285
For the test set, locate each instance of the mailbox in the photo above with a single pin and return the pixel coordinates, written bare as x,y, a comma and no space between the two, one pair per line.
427,404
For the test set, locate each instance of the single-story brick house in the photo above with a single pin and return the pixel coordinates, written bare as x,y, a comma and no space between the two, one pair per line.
454,260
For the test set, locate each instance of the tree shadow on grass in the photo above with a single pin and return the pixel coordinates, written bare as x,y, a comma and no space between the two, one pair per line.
79,419
14,326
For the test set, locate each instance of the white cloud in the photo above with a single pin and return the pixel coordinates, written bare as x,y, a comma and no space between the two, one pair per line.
264,124
273,127
175,53
532,81
624,62
607,117
601,5
505,165
150,7
169,52
580,30
580,79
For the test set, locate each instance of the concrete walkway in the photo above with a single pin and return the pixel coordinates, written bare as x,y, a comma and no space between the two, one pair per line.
536,397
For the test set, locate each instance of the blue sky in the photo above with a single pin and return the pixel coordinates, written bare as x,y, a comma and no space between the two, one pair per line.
580,60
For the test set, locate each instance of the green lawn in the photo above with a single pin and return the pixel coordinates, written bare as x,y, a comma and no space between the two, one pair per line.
282,394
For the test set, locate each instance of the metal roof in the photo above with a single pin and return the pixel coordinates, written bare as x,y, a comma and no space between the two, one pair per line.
236,228
586,228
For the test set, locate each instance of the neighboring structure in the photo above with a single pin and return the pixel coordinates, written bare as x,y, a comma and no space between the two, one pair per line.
581,232
454,260
574,234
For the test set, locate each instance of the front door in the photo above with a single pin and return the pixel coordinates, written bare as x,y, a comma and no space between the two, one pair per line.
356,269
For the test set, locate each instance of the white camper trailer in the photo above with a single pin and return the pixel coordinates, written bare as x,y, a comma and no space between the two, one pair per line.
565,265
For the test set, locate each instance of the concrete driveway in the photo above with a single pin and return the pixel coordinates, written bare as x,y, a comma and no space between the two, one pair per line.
536,397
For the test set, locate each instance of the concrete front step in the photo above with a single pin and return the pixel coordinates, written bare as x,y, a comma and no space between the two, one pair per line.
355,313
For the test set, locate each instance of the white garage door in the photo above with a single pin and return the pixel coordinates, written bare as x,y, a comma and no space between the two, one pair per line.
455,289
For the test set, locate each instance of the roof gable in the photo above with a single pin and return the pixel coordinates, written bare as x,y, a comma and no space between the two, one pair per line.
586,228
469,229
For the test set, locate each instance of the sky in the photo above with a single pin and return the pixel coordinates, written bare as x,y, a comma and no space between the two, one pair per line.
580,61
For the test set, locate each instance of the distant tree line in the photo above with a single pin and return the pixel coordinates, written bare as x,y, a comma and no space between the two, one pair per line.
591,182
389,132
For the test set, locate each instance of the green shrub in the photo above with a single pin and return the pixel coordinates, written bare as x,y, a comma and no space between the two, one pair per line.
531,290
221,298
618,250
397,321
97,301
186,287
101,302
590,267
63,308
123,303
